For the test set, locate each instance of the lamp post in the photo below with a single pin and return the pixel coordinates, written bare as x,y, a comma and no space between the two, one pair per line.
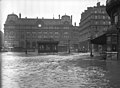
26,47
26,42
117,24
118,43
69,46
90,46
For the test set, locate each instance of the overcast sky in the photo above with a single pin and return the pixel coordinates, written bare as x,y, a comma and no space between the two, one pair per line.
46,8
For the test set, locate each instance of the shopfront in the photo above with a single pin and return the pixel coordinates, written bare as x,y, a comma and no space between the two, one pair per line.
101,42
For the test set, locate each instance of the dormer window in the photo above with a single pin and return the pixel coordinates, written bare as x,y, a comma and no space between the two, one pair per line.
66,22
39,25
11,22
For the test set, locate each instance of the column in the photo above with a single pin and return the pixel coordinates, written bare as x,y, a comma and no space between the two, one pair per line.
56,48
118,25
118,45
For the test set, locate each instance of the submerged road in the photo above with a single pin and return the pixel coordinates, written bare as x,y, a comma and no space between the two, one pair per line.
58,71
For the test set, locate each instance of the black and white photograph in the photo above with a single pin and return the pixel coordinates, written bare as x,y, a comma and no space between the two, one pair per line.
59,43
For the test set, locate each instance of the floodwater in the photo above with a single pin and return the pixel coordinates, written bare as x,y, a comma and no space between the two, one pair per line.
56,71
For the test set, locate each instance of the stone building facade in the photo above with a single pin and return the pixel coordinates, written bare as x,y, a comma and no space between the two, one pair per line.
113,36
18,30
1,40
94,22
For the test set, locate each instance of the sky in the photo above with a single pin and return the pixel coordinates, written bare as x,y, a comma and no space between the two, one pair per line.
45,8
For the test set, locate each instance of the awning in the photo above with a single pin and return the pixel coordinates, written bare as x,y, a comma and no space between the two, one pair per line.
101,40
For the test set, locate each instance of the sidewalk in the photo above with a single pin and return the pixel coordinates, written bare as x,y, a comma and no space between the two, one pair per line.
57,55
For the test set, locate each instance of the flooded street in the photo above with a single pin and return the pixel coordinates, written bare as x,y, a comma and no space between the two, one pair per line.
58,71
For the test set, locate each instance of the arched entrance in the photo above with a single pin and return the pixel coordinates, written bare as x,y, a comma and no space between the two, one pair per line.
47,46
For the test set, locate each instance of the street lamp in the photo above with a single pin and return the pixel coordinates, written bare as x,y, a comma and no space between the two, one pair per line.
116,21
26,47
26,41
69,46
90,45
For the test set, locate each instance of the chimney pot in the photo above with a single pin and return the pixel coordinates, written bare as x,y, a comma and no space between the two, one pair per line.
59,16
19,15
98,4
75,23
71,18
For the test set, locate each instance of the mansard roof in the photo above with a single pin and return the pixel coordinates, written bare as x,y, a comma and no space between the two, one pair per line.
48,22
52,21
34,21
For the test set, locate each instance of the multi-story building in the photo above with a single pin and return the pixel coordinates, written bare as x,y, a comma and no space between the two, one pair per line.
18,30
94,23
1,40
113,35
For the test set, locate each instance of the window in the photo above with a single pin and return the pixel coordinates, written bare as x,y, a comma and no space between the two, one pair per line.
56,27
22,36
95,17
33,44
45,36
39,36
33,34
95,11
56,32
104,29
66,22
114,47
65,32
28,44
66,36
108,17
56,36
28,34
96,22
51,36
22,44
109,23
103,22
45,32
99,10
45,27
66,28
39,33
12,22
98,16
108,39
50,27
103,12
103,17
51,32
116,19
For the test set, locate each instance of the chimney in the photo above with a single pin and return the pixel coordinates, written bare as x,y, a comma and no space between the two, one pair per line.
98,4
19,15
53,16
59,16
71,18
75,23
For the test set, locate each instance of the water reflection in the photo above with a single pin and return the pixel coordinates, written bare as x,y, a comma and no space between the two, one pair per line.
41,72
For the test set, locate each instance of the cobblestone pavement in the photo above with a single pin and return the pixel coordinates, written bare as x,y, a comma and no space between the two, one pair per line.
56,71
